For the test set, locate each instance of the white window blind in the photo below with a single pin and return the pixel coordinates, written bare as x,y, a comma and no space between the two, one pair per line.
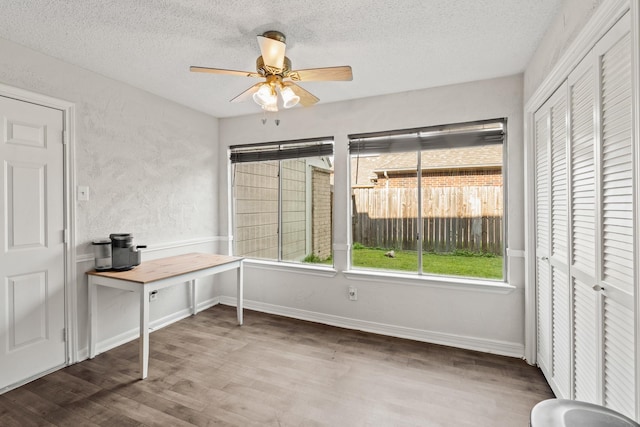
282,150
458,135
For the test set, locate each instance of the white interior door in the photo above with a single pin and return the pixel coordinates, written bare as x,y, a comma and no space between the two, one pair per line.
559,259
616,209
584,231
602,269
543,278
552,219
32,300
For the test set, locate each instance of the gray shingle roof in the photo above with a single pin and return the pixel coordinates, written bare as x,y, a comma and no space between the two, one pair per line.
368,166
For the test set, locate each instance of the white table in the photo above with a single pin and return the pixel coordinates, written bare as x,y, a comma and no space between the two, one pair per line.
154,275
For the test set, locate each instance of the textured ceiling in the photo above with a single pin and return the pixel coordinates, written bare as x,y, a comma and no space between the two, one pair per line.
393,46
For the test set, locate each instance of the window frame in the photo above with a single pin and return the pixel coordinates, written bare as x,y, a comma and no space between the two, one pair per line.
280,151
408,137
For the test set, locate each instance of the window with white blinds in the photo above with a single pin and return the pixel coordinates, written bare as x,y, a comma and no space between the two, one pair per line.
430,200
282,200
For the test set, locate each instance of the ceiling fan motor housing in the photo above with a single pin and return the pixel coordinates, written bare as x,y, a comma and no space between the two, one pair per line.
265,70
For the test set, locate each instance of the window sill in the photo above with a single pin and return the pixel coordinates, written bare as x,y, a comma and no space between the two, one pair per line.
462,283
452,283
310,269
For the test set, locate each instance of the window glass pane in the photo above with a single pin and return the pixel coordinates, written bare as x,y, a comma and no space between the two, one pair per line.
294,210
462,193
307,215
255,190
384,189
283,209
321,211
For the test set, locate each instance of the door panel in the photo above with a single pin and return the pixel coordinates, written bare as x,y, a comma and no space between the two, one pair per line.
616,207
585,346
552,233
562,349
31,237
584,232
619,356
27,318
25,205
543,278
583,170
559,259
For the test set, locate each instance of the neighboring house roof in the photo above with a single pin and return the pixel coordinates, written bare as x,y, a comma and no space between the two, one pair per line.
368,167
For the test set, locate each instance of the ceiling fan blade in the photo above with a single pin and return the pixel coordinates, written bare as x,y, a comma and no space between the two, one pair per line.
195,69
247,94
342,73
272,51
306,98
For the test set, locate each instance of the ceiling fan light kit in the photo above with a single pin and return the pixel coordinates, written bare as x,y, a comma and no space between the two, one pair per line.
275,68
289,98
265,96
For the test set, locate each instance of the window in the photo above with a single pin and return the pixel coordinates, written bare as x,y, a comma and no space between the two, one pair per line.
282,200
430,200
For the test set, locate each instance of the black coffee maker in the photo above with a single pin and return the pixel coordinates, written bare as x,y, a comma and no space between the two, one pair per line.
124,255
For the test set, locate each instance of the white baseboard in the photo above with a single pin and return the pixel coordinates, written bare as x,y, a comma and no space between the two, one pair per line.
134,334
502,348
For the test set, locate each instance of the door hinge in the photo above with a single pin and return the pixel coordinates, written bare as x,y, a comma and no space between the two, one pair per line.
64,334
65,235
65,137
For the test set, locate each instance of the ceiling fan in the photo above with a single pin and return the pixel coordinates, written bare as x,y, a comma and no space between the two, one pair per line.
275,68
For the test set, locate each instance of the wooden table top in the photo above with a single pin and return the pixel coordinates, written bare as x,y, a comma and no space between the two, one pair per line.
162,268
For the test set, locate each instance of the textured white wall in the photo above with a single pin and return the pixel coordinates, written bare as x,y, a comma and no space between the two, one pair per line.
396,305
564,28
149,164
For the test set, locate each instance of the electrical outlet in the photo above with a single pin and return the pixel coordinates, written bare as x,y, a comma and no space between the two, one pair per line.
153,296
353,293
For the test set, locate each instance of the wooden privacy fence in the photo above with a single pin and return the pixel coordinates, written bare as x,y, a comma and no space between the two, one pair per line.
454,218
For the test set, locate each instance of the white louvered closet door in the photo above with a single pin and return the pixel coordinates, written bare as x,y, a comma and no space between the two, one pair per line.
602,228
543,279
552,282
616,209
559,260
586,264
583,274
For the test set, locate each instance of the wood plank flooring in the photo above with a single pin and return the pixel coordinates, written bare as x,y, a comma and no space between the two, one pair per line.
274,371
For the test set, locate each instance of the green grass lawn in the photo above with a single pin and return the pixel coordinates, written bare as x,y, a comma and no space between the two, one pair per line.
462,264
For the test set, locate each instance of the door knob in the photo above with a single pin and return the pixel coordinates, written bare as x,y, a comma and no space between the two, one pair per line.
597,288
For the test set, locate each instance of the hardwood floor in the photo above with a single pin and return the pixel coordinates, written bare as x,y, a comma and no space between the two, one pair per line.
274,371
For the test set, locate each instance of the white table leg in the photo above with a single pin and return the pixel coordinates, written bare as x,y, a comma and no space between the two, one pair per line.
239,294
93,317
144,333
194,299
